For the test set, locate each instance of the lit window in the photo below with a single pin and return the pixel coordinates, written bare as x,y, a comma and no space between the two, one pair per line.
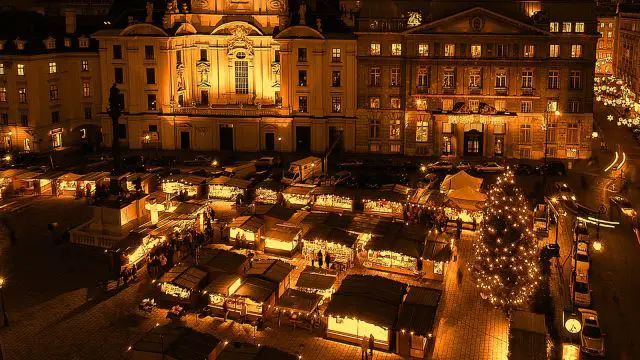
576,51
529,51
476,51
374,147
336,104
438,267
474,105
501,79
50,43
449,79
447,104
21,69
374,102
527,79
394,148
302,77
22,95
83,133
395,76
27,144
394,130
449,50
336,55
566,27
525,133
83,42
1,68
422,131
396,49
53,67
395,103
242,77
554,26
573,134
374,48
303,104
526,107
84,65
579,27
86,88
552,105
53,92
554,79
554,51
3,94
152,104
552,133
423,77
423,49
67,42
475,79
500,105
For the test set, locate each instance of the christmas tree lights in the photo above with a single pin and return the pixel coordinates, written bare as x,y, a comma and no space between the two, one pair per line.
615,93
505,265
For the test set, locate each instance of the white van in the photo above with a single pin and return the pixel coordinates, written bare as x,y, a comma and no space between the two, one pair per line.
240,170
302,170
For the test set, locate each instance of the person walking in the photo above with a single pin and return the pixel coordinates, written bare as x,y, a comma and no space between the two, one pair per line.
364,344
327,259
320,258
371,345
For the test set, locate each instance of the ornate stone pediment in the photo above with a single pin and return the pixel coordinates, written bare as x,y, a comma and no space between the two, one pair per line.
240,41
203,68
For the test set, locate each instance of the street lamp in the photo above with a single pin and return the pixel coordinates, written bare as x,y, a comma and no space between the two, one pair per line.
4,311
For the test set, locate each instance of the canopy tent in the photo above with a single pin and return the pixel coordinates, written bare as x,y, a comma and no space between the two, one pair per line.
25,182
46,183
460,180
416,321
467,194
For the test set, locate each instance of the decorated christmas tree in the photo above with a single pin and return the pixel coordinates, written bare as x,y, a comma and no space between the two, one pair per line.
505,265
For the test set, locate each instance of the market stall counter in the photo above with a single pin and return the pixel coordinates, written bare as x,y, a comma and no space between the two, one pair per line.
133,250
46,184
253,300
268,192
246,232
417,321
364,306
191,185
25,183
229,189
89,182
298,308
148,181
297,196
275,271
6,181
282,239
388,201
182,284
67,184
332,199
338,243
221,286
399,250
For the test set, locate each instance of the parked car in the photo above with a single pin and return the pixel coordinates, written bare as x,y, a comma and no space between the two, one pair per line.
351,163
581,260
591,336
490,167
463,165
440,166
522,169
623,205
340,177
200,160
581,290
268,162
564,191
552,168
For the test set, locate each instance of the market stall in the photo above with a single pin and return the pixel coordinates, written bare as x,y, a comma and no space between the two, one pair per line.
229,189
436,257
221,287
338,243
268,192
298,308
175,343
148,181
327,198
317,281
460,180
399,250
275,271
25,183
417,321
253,300
282,239
389,200
46,184
178,184
215,260
246,232
273,215
297,196
182,284
364,306
68,185
464,204
133,251
90,181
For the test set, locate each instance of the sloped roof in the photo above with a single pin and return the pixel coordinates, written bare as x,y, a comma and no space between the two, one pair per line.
258,290
247,223
299,300
332,235
280,212
418,311
185,178
231,182
460,180
180,343
272,270
244,351
340,221
219,282
298,190
316,278
221,260
437,251
282,233
467,194
271,185
191,279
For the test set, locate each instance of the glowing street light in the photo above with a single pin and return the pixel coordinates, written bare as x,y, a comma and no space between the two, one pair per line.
597,245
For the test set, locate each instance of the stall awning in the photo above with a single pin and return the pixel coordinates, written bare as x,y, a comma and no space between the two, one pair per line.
369,225
279,212
222,260
247,223
297,300
397,245
373,299
331,235
460,180
283,233
330,190
69,177
50,175
258,290
220,282
420,197
389,192
11,173
173,273
94,176
188,208
418,311
270,269
29,175
316,278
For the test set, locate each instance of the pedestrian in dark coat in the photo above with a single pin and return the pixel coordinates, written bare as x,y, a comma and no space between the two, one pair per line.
327,259
371,345
319,258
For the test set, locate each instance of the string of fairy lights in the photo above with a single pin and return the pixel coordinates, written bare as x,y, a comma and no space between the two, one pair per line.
614,92
505,265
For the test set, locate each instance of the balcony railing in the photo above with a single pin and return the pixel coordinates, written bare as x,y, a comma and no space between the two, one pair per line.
449,91
527,91
249,110
501,91
474,90
422,89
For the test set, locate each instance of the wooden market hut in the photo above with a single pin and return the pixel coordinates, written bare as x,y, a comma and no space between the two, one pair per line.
221,287
46,183
25,183
417,321
215,259
339,243
229,189
244,351
67,184
527,336
399,250
275,271
134,250
268,192
283,239
388,201
175,343
297,196
89,182
364,305
182,284
314,218
254,299
148,181
246,232
436,256
193,185
299,308
317,280
332,199
273,215
6,181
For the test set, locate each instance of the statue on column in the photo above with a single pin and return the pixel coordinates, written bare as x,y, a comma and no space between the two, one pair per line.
303,13
149,18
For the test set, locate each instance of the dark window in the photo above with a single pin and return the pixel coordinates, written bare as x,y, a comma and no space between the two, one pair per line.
122,131
203,54
88,112
153,128
302,54
179,57
204,97
302,77
148,52
4,119
151,102
151,76
121,97
335,78
119,75
117,52
276,57
55,117
24,119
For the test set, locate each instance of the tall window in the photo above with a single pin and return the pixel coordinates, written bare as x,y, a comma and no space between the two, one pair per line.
529,50
53,67
554,79
476,51
22,95
579,27
423,49
21,69
374,76
574,106
242,77
179,57
552,133
395,102
24,119
574,79
53,92
55,117
335,79
527,79
501,50
3,94
302,77
151,76
204,56
374,102
1,68
4,118
394,129
576,51
303,104
88,112
336,55
118,75
336,104
554,26
374,49
573,133
525,133
526,106
449,79
117,51
447,104
501,79
374,128
500,105
276,56
151,102
450,50
395,76
566,27
474,79
423,77
554,51
474,105
552,105
302,54
86,88
422,131
148,52
84,65
396,49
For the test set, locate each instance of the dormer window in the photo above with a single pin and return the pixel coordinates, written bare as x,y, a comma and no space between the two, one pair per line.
67,42
20,44
50,43
83,42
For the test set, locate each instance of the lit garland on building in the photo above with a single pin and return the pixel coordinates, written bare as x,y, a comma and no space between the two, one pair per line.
505,264
611,91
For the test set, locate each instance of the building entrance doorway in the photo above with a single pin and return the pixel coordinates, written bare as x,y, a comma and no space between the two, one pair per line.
270,141
473,143
226,137
185,140
303,139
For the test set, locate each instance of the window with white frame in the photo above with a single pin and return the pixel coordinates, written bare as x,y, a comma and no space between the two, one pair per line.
423,76
475,79
554,79
579,27
552,105
84,65
395,102
374,128
526,106
422,131
241,68
500,105
525,152
574,79
527,79
336,55
566,27
474,105
501,79
394,129
476,51
22,95
374,48
374,102
573,133
576,51
529,50
552,133
574,106
374,76
86,88
423,49
449,50
447,104
1,68
449,79
83,42
525,133
303,104
395,76
501,50
3,94
396,49
554,51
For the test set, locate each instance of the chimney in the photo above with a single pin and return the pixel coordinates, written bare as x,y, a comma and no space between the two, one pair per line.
70,21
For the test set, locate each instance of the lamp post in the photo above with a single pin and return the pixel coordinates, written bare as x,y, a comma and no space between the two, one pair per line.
545,127
5,318
147,141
